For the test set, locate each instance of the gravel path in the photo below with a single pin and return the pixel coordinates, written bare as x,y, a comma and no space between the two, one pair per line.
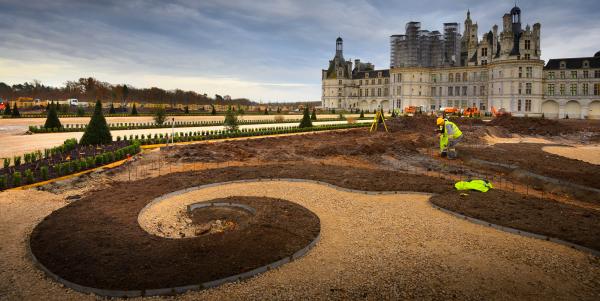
590,154
371,247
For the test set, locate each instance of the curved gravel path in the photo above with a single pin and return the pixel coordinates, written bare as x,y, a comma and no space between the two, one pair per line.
372,246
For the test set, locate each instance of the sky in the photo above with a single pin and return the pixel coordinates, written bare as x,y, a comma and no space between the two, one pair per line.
263,50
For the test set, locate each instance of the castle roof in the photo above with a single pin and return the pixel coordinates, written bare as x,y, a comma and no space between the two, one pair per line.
573,63
372,74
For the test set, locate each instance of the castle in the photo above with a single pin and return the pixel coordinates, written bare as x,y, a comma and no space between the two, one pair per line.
434,70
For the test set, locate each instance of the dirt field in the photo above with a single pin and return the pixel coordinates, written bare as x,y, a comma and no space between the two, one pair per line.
373,247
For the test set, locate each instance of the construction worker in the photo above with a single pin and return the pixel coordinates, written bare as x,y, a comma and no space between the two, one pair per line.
449,138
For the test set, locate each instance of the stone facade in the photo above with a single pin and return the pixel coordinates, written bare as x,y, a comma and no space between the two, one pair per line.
503,70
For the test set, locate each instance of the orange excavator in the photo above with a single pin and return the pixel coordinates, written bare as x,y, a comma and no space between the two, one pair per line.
499,113
471,112
451,111
412,110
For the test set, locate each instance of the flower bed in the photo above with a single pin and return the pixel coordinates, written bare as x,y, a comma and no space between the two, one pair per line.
63,160
151,125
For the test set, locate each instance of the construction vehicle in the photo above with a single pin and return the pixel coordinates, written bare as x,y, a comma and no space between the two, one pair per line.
446,111
2,105
500,113
413,110
471,112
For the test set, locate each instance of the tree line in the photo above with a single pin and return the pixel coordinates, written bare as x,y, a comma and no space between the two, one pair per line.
90,89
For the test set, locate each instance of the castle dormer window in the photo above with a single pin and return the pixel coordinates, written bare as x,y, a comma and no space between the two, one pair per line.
527,44
563,65
378,74
366,75
586,64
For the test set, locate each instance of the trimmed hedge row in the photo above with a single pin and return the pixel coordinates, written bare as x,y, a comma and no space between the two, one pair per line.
151,125
223,134
17,179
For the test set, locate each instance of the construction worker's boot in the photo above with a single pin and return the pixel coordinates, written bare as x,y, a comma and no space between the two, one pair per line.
452,154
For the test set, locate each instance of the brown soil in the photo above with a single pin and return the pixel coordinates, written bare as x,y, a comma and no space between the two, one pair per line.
530,157
547,217
539,126
93,254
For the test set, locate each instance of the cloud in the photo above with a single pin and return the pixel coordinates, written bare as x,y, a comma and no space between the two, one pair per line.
257,49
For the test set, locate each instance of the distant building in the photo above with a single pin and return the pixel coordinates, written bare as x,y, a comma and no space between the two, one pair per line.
432,70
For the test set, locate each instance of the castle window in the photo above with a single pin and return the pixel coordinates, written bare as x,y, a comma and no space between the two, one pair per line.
464,91
474,90
573,89
520,72
527,56
482,90
520,88
484,52
527,44
528,88
360,92
586,74
360,82
433,91
519,105
551,89
372,81
367,75
457,77
387,81
465,77
562,89
529,72
434,78
450,92
450,77
597,74
562,75
379,81
340,82
586,90
386,92
596,89
551,75
457,91
527,105
563,65
574,74
379,92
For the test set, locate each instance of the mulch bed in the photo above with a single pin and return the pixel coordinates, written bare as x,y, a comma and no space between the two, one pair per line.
531,157
98,242
547,217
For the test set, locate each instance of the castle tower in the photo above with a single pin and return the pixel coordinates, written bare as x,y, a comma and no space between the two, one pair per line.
339,49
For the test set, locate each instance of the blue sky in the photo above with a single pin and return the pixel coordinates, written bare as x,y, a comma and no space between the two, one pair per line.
264,50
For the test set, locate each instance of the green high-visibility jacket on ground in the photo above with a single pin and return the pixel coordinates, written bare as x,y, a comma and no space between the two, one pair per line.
479,185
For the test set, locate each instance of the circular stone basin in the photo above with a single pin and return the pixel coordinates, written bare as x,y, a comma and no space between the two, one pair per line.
111,245
214,218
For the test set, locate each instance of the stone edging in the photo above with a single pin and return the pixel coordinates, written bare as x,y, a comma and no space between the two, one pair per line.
195,206
517,231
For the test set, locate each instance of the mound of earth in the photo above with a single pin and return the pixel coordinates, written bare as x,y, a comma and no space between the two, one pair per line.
534,126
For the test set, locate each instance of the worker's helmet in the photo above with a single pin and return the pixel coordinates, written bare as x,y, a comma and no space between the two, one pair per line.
439,121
